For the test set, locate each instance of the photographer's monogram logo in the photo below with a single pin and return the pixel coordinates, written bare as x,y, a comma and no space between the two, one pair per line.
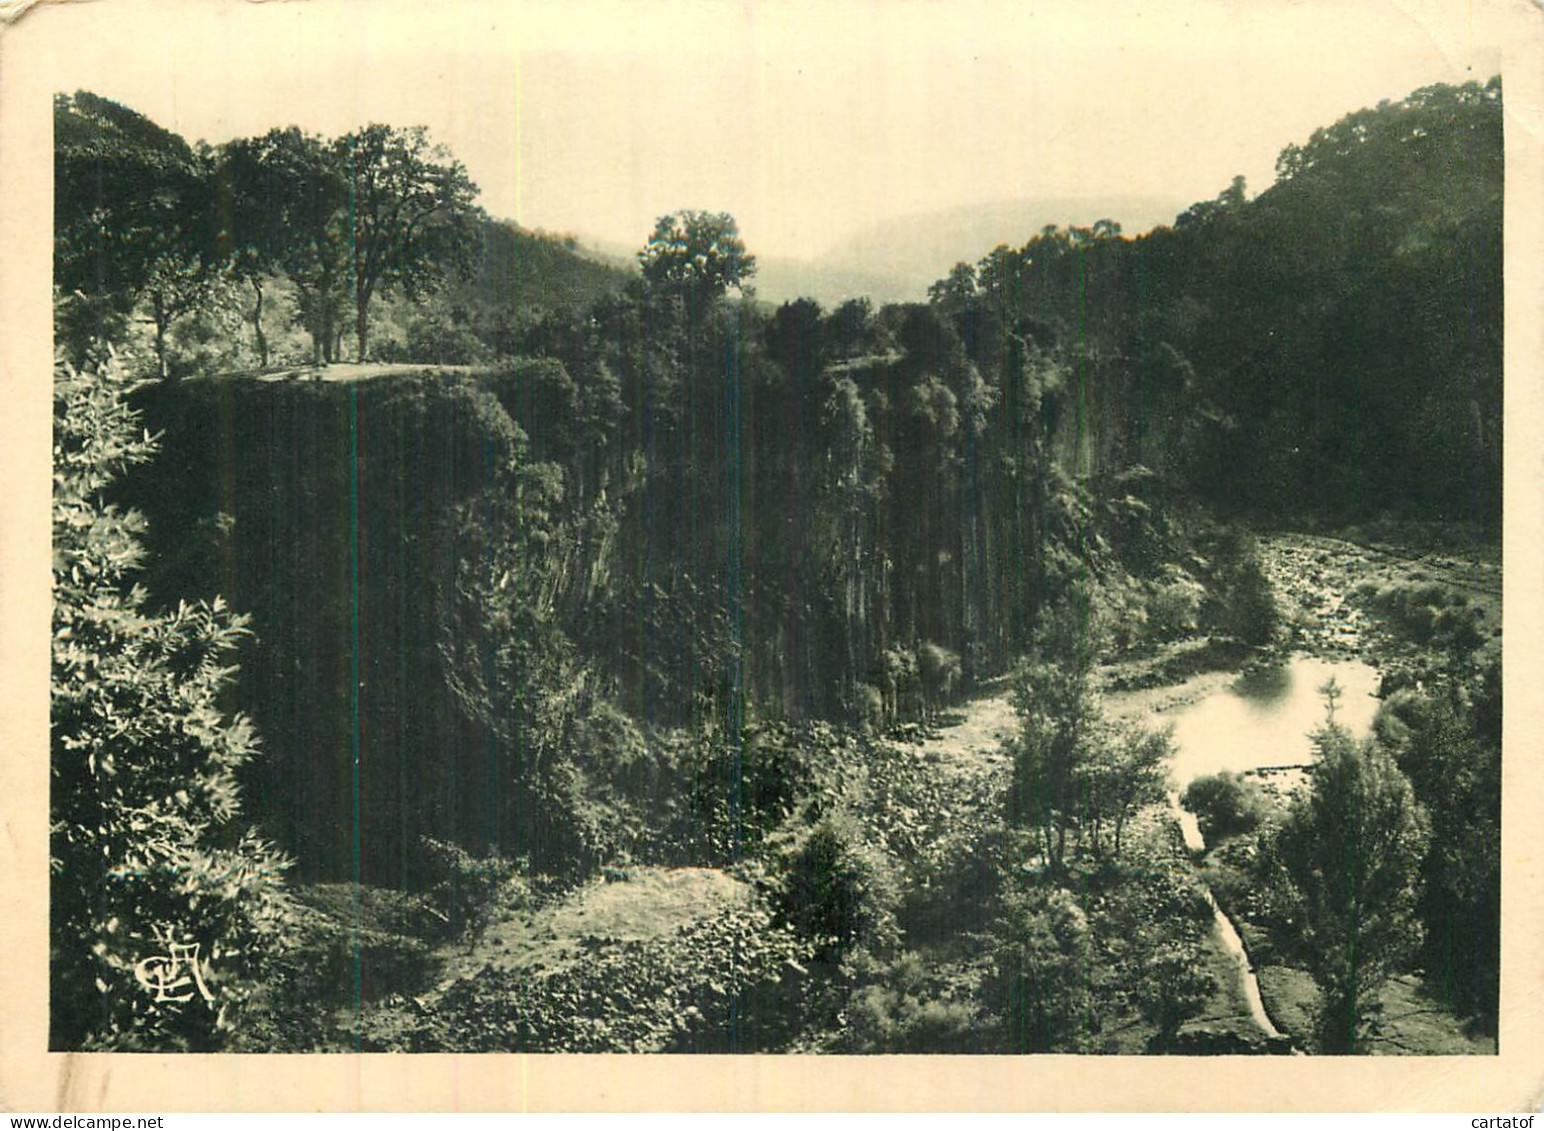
174,976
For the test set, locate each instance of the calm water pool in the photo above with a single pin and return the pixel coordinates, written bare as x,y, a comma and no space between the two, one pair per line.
1266,716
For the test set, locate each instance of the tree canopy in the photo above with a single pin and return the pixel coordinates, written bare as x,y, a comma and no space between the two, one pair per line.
1353,848
410,215
696,257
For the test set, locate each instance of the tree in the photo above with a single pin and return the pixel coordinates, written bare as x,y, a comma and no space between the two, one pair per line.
162,912
850,331
1131,774
1041,979
955,294
134,226
1353,848
285,200
1173,986
411,216
695,257
1059,725
1059,722
1448,741
839,891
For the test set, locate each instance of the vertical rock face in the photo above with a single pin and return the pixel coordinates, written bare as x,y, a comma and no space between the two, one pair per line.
329,513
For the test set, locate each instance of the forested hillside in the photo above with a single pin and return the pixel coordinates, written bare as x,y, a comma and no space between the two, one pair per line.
1329,348
570,569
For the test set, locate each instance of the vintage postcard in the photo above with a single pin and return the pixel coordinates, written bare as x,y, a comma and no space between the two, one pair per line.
771,556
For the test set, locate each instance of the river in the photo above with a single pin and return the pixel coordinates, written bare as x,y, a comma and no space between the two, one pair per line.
1263,720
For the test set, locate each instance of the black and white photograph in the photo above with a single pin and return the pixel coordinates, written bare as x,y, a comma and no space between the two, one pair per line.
814,532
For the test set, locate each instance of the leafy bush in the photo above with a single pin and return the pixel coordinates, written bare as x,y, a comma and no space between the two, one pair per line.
351,945
435,340
1428,614
1040,984
164,914
1243,603
938,669
467,890
1225,805
1447,740
958,885
907,1009
1174,607
1354,848
839,892
1173,986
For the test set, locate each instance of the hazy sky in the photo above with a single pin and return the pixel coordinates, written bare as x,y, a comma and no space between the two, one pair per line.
805,121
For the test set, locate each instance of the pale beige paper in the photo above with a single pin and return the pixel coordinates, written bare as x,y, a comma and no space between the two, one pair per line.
52,40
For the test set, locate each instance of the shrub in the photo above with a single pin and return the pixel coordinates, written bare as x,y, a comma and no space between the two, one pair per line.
1041,982
1428,614
467,890
435,340
164,914
939,671
1354,847
736,982
868,706
839,892
907,1010
1225,805
1174,609
1173,987
1243,603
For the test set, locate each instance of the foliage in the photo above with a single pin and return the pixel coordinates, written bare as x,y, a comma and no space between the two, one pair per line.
1073,770
135,227
1429,614
909,1008
1225,804
148,860
286,197
839,893
1173,987
604,595
1040,986
410,215
1200,356
1243,603
350,945
1447,740
433,338
696,257
1353,848
1150,921
469,890
732,983
938,669
1059,730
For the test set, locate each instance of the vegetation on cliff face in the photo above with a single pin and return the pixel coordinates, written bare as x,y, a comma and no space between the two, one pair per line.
166,914
613,574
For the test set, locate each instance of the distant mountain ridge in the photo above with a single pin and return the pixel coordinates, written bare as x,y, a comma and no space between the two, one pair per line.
897,259
913,252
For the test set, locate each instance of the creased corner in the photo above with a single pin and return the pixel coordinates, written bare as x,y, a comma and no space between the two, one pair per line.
13,10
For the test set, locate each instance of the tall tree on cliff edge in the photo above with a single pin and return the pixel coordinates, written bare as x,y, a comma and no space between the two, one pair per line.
163,911
283,201
411,216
